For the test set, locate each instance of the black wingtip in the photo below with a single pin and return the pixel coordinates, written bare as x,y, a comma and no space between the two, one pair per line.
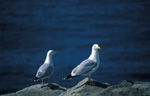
69,77
36,79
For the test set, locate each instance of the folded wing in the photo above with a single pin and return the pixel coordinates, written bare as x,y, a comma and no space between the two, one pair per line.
45,70
84,67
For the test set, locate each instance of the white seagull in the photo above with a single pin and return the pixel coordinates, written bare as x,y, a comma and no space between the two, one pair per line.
46,69
88,66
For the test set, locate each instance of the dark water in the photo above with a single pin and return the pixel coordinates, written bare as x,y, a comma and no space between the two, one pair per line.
29,28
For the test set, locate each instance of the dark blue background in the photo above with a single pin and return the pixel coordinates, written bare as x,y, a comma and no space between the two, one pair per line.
29,28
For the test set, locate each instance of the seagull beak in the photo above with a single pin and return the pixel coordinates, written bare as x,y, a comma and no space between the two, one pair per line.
98,47
56,52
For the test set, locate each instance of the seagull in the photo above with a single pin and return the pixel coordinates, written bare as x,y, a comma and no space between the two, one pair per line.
88,66
46,69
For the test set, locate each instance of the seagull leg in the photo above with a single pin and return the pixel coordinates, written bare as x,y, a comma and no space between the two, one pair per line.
49,80
89,79
42,81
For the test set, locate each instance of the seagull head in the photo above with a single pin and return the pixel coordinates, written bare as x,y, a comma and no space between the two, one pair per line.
52,52
95,47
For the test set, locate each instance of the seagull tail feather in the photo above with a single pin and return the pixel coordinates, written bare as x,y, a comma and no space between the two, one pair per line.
69,77
36,79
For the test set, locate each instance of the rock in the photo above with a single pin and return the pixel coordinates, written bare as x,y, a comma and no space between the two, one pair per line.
40,90
126,88
11,94
84,88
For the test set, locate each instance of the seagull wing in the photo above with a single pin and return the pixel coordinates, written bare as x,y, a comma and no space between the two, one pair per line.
84,67
45,70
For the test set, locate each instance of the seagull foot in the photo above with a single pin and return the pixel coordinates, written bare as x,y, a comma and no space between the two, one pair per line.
91,83
45,83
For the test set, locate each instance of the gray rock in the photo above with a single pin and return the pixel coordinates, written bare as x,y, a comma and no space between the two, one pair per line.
40,90
126,88
84,88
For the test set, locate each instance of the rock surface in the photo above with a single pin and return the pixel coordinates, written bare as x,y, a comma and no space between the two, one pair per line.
84,88
40,90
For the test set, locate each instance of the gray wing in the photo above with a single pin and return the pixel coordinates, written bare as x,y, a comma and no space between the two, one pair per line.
84,68
44,71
